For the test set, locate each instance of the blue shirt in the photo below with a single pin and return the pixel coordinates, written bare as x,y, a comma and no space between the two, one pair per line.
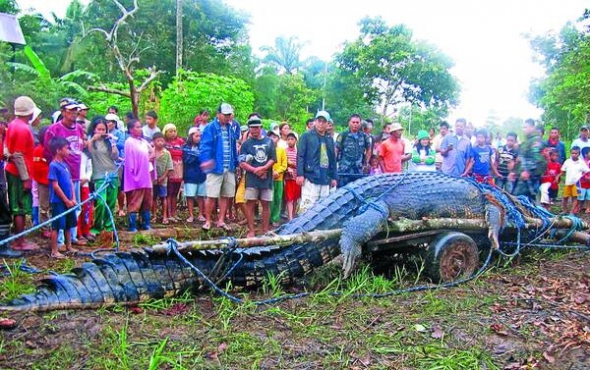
454,162
482,157
58,171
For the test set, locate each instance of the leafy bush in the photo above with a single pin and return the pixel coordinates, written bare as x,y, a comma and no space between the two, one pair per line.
191,92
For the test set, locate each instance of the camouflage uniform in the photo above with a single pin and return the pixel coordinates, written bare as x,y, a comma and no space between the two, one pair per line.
530,159
352,149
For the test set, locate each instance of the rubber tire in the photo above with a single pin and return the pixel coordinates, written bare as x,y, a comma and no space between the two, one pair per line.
460,248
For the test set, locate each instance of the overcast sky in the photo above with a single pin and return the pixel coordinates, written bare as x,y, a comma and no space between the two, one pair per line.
484,38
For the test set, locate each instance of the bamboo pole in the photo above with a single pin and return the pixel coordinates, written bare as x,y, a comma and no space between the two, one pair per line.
397,227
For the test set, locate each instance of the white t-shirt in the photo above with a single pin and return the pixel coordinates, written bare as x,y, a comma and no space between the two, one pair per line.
574,170
148,132
581,144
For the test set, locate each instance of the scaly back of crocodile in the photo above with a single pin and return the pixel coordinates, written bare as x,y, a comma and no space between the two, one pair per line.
128,278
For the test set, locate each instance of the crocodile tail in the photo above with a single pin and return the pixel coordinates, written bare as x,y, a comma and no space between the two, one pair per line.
123,278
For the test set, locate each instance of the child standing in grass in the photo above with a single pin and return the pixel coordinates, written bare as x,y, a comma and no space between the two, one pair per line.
292,190
164,168
548,186
194,177
573,168
61,195
278,171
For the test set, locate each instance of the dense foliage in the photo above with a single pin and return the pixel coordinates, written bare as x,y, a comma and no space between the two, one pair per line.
384,70
564,92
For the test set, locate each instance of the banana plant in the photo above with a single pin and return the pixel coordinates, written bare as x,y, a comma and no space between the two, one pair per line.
38,69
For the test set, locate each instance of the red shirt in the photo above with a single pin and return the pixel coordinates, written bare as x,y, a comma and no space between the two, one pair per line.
175,148
392,152
40,166
19,139
585,180
553,169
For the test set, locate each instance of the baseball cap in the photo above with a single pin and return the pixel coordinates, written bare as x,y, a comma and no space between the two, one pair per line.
225,108
323,114
112,117
24,106
274,132
64,101
396,127
294,134
584,128
82,106
70,104
192,130
254,122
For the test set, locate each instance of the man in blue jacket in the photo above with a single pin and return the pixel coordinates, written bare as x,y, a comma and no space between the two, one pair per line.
219,159
316,162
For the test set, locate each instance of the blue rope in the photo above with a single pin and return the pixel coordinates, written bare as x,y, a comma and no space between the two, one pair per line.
91,197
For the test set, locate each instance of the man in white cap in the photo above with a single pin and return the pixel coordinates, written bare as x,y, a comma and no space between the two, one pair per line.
392,152
316,163
20,145
75,134
219,159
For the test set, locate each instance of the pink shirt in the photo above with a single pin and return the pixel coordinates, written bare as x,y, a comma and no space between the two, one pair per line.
75,136
138,167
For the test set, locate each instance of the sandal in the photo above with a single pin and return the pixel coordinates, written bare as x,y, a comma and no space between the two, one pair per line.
190,220
165,221
206,227
79,242
224,226
201,219
58,256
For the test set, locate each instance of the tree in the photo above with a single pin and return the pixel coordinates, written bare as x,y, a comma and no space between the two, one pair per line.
391,69
266,92
293,99
564,93
35,79
191,92
285,54
125,60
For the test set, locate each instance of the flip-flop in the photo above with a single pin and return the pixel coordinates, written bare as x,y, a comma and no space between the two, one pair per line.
59,256
206,227
165,221
190,220
224,226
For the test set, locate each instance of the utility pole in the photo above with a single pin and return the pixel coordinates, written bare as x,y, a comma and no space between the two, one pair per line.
179,41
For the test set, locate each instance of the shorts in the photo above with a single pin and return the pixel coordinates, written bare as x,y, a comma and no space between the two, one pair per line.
174,188
311,193
66,221
584,194
192,190
160,191
223,185
292,191
241,191
570,191
259,194
20,201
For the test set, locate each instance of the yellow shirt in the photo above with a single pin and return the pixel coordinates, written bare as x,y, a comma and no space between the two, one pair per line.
280,165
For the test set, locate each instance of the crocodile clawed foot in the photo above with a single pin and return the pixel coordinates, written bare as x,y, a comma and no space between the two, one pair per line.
349,260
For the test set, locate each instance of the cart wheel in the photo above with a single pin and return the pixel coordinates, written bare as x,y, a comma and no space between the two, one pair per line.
451,256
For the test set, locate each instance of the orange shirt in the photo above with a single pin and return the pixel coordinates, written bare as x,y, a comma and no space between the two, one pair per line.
19,139
392,152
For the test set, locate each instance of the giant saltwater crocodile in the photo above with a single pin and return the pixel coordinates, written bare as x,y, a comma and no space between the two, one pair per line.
361,209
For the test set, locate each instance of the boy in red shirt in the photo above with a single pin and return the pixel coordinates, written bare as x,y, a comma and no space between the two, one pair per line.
549,187
40,172
584,196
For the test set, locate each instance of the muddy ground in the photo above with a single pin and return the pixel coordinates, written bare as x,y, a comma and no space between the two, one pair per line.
533,313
